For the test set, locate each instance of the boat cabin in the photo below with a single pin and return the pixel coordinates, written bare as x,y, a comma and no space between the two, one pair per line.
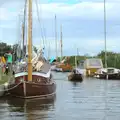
91,65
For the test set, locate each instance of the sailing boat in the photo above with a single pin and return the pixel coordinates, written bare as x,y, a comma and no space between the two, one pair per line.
33,77
53,61
107,72
62,66
75,75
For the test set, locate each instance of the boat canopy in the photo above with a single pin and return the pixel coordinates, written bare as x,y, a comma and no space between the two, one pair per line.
52,60
93,63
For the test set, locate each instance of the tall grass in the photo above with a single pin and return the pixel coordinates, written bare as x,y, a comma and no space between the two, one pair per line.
3,78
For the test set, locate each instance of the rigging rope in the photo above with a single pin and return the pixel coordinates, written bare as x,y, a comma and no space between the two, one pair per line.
42,30
24,52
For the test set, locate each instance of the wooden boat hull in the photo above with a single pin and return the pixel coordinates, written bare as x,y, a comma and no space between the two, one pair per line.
32,90
75,77
38,87
64,68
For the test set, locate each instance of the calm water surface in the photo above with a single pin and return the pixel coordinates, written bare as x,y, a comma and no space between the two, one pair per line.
92,99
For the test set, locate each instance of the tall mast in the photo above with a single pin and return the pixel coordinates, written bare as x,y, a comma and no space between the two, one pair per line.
77,52
76,58
29,40
56,35
23,40
61,44
23,30
105,33
75,61
49,50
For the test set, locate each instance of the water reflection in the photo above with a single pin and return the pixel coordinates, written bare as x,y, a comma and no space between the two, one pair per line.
31,109
75,84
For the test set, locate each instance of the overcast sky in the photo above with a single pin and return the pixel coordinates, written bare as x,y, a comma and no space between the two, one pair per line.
82,21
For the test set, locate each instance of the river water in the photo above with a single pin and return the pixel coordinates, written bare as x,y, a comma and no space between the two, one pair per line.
93,99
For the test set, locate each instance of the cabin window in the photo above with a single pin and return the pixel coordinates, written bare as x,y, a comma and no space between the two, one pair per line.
110,70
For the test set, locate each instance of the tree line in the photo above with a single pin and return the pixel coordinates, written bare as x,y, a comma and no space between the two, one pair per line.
15,49
113,58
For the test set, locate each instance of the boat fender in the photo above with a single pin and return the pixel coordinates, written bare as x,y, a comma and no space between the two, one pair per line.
107,77
6,85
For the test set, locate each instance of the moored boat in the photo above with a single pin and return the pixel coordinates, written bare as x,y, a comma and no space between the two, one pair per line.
75,76
108,73
32,77
63,68
40,86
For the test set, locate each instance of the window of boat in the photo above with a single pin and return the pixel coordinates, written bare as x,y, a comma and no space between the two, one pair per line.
110,70
81,65
95,63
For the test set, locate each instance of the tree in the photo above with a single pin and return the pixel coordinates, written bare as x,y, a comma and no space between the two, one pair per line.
4,48
113,59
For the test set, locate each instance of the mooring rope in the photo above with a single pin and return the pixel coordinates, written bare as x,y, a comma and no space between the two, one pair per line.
10,88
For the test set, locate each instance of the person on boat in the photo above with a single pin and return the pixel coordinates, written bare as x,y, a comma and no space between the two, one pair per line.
9,61
6,70
75,71
3,62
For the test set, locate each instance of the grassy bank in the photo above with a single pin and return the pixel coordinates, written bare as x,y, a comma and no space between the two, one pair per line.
3,78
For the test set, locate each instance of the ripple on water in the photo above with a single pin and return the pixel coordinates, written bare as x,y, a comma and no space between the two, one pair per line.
91,99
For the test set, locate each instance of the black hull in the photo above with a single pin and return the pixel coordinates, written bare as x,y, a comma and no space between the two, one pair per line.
75,77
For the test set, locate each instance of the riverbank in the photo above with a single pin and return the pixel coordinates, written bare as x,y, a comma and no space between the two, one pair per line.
3,78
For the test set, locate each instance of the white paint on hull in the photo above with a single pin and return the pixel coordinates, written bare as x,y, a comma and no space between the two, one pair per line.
33,73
